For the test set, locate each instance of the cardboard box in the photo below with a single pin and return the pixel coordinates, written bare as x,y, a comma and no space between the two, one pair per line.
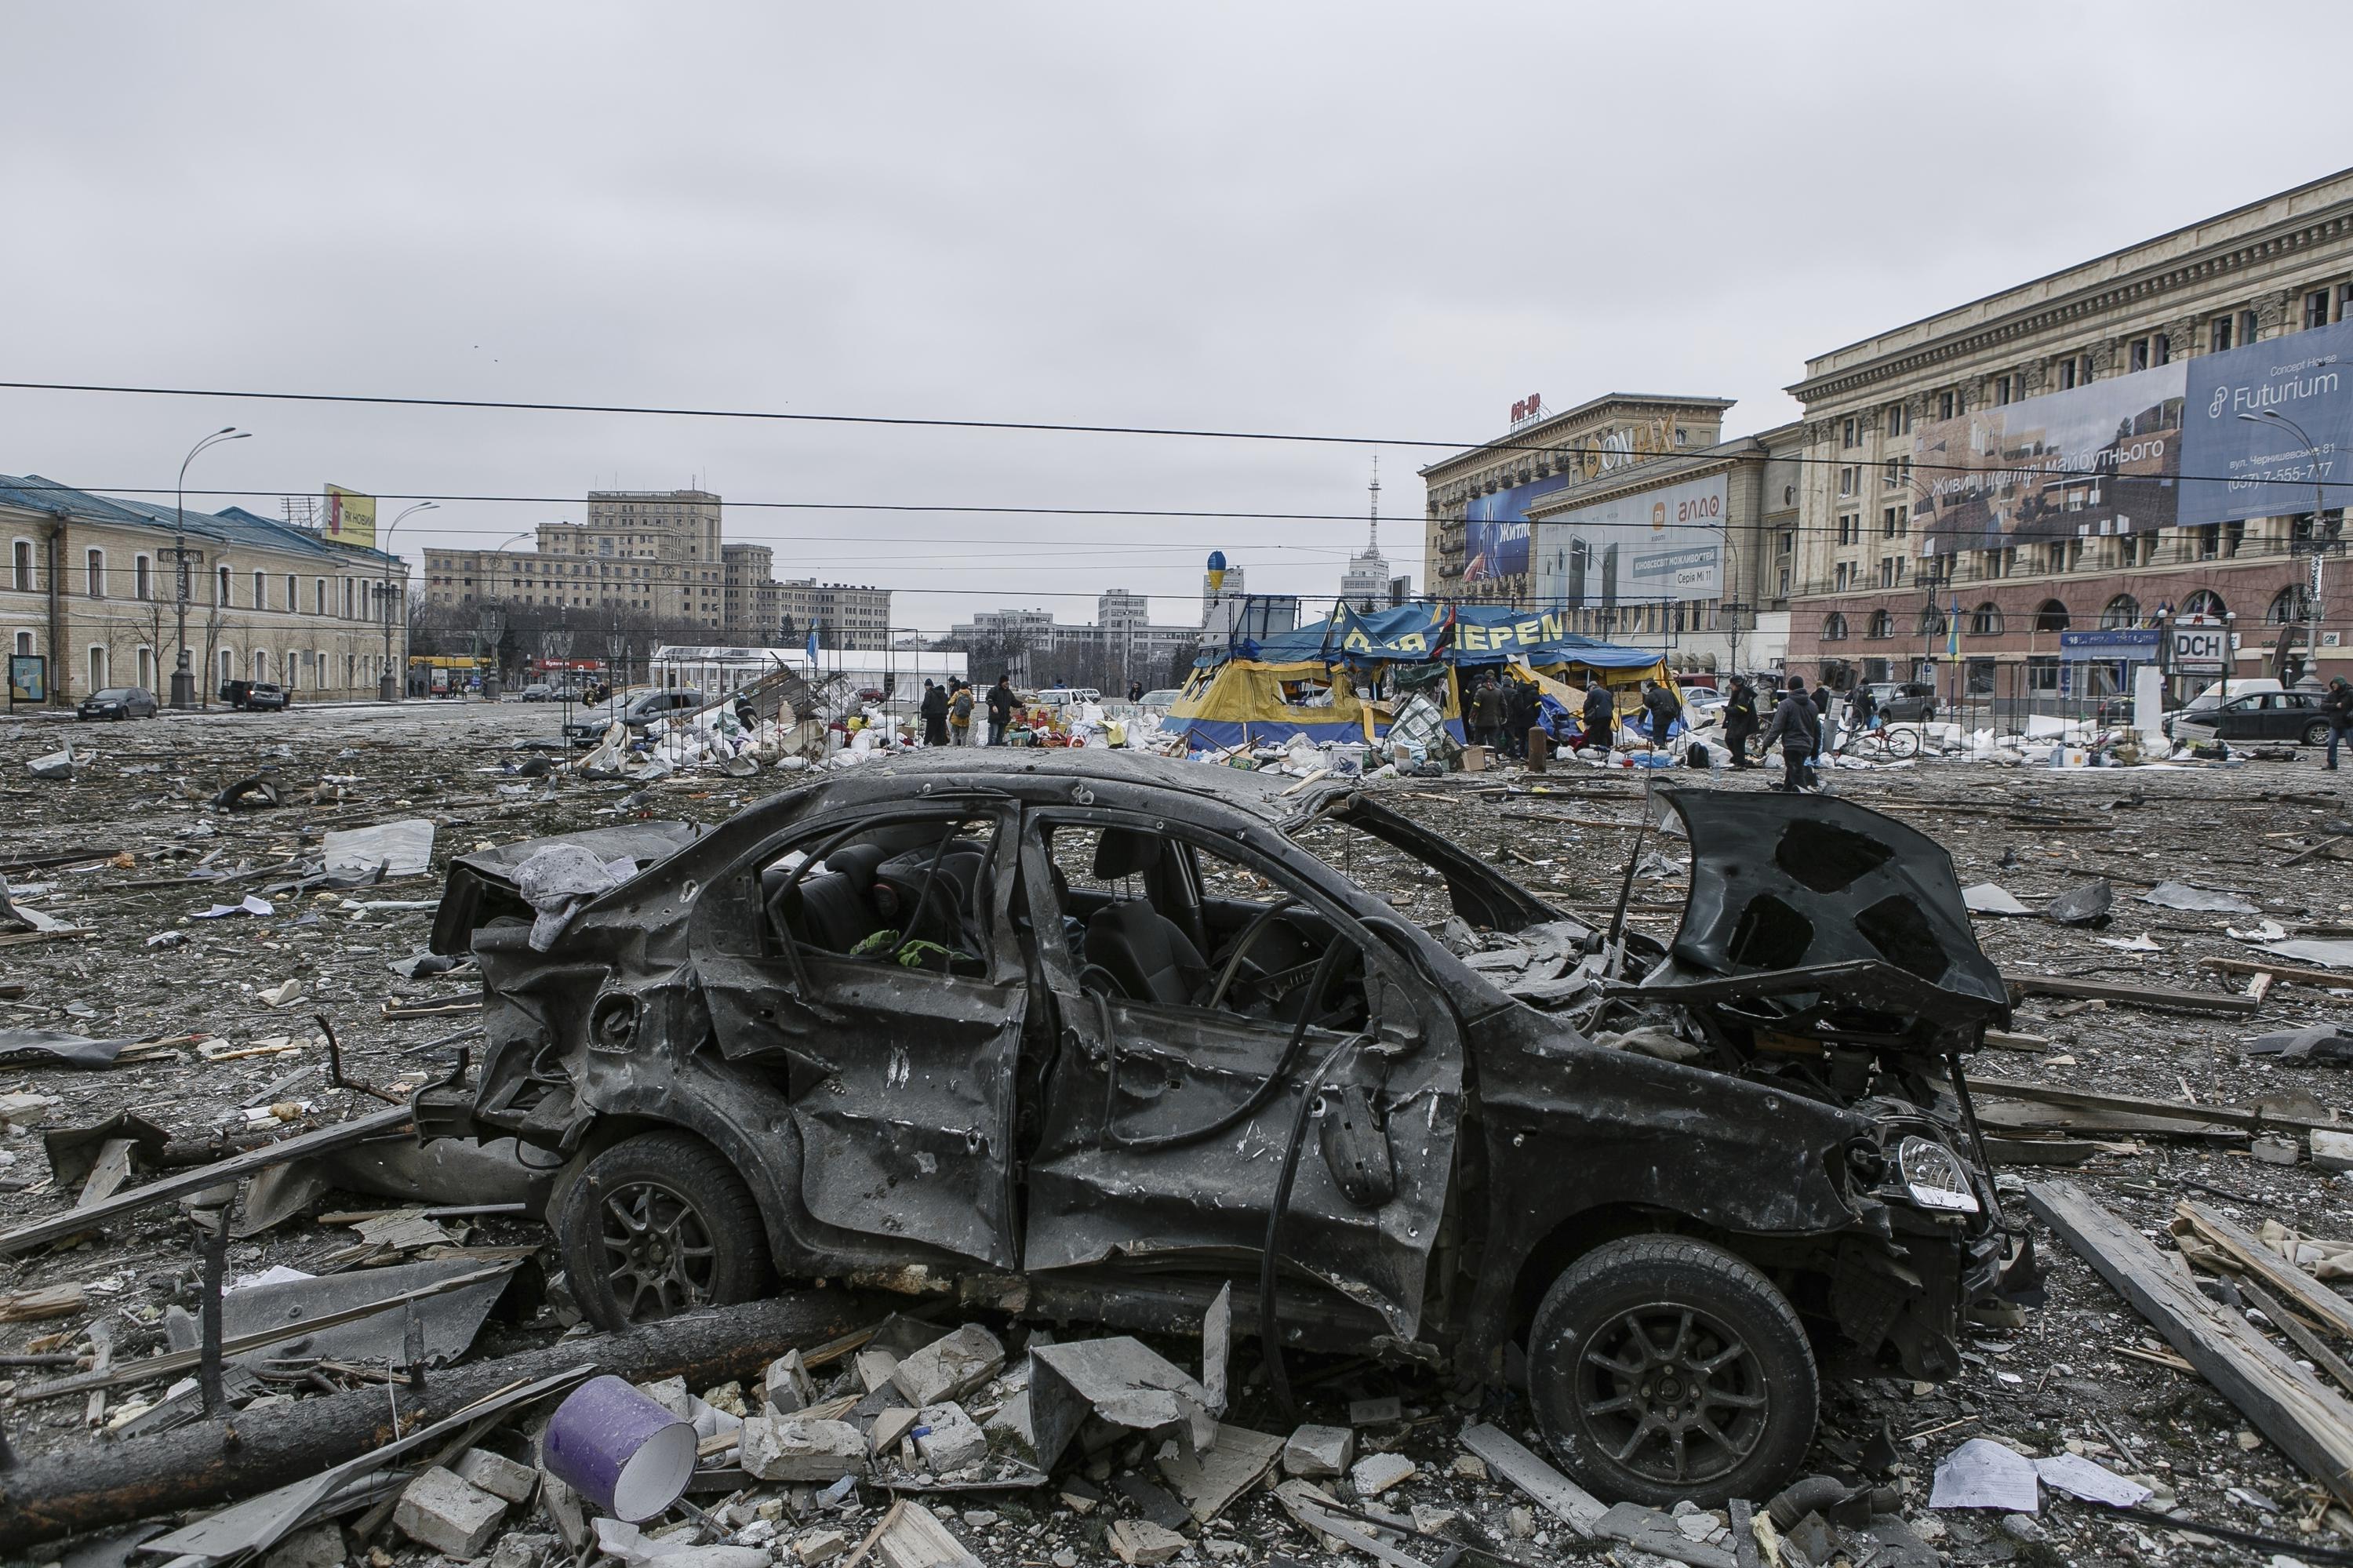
1475,759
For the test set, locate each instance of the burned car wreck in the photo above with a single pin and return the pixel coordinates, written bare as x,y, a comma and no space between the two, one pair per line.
1089,1037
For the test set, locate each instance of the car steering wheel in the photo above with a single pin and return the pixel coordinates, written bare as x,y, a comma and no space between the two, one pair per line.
1251,934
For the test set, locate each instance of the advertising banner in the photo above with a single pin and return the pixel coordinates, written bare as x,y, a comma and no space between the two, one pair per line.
351,518
1495,529
2103,458
1664,543
2244,406
2132,643
28,678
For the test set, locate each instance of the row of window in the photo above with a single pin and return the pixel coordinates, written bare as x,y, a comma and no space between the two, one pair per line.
2289,606
2228,329
355,600
359,669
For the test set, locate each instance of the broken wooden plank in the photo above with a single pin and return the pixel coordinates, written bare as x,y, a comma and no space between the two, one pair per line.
2144,1106
60,1301
2295,1328
2017,1116
1507,1458
2039,1150
2137,995
358,1130
108,1173
2333,1311
2310,1422
1304,1504
2277,970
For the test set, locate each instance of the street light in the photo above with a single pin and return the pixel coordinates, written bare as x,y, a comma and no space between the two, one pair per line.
183,680
492,621
2312,611
387,688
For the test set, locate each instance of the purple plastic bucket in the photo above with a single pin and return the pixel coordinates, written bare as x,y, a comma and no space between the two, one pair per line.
619,1449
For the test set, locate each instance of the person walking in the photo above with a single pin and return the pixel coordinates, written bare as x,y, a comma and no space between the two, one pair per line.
960,714
2338,705
1488,714
1600,716
1000,709
1659,704
1739,720
1521,705
934,712
1798,727
1135,691
1862,709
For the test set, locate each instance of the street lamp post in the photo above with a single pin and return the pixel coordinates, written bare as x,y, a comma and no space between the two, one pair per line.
493,622
388,688
2319,544
184,679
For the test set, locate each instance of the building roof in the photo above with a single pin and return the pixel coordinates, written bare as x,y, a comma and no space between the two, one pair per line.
1535,433
233,526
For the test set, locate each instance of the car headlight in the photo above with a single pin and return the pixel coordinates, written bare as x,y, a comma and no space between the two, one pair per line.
1935,1176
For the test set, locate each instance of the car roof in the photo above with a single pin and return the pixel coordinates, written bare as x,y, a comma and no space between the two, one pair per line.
1273,798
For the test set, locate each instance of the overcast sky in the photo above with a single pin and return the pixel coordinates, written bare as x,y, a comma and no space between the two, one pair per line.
1352,218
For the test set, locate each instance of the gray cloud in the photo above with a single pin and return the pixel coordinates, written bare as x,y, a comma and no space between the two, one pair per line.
1380,218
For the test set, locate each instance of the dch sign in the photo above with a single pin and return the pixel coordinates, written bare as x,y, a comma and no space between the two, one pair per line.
2200,650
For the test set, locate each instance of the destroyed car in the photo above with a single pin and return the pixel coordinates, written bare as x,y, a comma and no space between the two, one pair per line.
1087,1036
635,713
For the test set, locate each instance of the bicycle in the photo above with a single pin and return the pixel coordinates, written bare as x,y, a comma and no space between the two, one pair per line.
1886,743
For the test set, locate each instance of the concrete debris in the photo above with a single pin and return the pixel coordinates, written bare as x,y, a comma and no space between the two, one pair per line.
1376,1473
947,1438
950,1368
440,1511
794,1449
496,1474
1319,1452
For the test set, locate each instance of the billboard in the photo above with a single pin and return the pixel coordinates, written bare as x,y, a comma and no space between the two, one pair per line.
1495,529
351,518
2258,466
2102,458
1664,543
2191,444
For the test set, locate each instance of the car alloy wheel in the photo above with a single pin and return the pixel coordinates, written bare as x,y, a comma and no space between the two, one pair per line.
660,1258
1672,1392
2315,734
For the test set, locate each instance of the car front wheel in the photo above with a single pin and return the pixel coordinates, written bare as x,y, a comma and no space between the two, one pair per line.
2315,734
659,1225
1662,1368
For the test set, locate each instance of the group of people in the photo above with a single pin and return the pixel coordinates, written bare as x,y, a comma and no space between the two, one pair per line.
948,711
1801,723
1502,714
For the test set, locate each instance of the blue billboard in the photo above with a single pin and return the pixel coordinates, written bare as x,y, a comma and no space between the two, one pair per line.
2240,440
1495,531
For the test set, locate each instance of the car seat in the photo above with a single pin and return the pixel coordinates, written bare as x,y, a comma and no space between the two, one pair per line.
1144,953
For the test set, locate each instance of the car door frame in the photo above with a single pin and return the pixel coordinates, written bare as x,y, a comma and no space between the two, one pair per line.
1091,1203
934,1058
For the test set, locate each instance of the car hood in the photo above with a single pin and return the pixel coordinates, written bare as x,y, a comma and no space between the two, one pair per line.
1817,916
481,886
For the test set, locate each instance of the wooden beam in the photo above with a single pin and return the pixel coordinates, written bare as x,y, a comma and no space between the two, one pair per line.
2288,973
2331,1311
2311,1423
2138,995
2141,1105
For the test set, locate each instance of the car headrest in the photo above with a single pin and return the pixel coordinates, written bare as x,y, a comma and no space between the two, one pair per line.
858,863
1125,852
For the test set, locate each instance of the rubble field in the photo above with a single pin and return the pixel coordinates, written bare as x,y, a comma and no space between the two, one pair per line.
211,951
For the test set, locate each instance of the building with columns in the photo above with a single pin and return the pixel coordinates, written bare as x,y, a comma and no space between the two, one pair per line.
1984,480
88,588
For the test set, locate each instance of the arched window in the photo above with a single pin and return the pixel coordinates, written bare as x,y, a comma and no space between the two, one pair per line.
96,586
1932,623
261,664
260,591
1834,628
142,579
2289,606
1883,623
220,588
1985,620
2051,616
2205,601
227,666
2124,610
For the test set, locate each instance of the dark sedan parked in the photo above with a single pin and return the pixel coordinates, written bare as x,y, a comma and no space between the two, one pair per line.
1084,1035
118,702
256,695
2292,716
634,712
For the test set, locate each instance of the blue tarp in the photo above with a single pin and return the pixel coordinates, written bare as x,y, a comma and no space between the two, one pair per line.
1456,633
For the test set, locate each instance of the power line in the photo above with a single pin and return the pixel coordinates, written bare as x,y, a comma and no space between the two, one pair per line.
1040,426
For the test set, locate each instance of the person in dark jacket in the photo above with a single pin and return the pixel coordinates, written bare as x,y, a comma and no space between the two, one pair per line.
1000,709
1135,691
934,710
1488,712
1739,720
1799,730
1522,702
1659,704
1862,709
2337,705
1600,716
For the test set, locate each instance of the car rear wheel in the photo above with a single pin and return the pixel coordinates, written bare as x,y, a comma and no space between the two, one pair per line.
660,1224
1662,1368
2315,732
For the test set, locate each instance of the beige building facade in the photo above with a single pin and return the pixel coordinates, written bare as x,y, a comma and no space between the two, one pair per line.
88,586
655,553
1887,587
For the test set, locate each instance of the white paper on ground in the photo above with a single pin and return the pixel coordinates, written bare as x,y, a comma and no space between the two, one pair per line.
2181,895
1982,1473
2328,955
253,905
1991,898
2090,1481
404,848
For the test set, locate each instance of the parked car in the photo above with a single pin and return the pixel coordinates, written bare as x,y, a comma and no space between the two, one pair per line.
1162,701
2292,716
538,691
256,695
1090,1035
118,702
1066,696
1904,702
2118,709
636,712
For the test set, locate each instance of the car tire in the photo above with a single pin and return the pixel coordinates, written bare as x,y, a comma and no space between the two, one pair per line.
659,1225
2315,732
1666,1329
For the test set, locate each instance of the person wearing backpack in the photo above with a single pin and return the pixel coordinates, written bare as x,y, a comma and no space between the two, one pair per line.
1798,727
960,714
